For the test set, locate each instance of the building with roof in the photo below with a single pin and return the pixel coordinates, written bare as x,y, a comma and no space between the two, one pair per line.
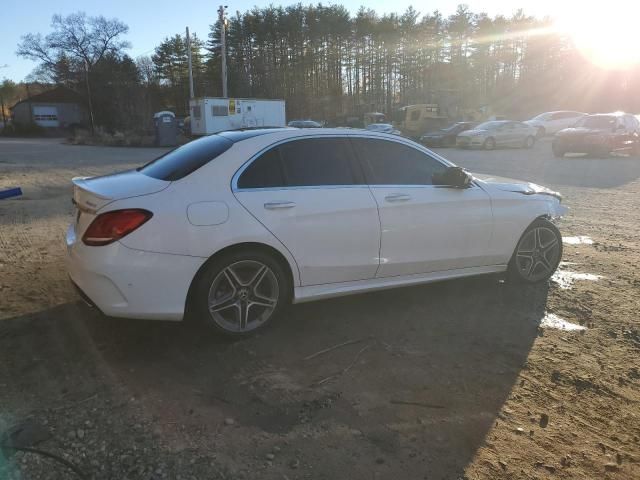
60,107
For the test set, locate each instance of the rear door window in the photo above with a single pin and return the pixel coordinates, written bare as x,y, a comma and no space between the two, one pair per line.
393,163
186,159
264,172
317,162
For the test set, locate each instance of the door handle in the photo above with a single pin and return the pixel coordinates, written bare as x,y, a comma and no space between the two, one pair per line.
397,197
278,205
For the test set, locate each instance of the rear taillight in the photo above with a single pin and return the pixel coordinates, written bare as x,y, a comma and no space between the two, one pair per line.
108,227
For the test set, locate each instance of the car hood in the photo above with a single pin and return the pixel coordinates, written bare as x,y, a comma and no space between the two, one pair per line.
580,131
516,186
471,133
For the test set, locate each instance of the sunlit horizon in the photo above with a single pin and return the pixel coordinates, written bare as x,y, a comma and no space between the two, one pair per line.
605,36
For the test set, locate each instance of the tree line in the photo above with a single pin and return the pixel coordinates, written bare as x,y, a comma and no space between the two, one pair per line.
329,64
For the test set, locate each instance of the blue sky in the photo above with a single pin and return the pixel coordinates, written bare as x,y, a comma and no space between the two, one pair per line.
150,21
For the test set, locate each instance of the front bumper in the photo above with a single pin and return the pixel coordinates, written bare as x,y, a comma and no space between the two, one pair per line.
123,282
470,142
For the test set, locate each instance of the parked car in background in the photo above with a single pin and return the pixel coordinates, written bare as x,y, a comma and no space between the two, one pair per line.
383,128
549,123
600,134
235,225
445,137
498,133
304,124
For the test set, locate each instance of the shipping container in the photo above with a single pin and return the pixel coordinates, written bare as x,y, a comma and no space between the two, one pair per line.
213,114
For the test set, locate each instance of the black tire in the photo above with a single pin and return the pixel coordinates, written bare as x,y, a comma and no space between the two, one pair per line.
214,276
529,142
558,151
545,256
489,144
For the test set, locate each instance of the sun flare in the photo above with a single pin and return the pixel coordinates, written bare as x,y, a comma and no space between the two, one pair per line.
607,34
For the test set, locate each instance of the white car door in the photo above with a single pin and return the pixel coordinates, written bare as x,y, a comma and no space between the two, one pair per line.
425,227
310,194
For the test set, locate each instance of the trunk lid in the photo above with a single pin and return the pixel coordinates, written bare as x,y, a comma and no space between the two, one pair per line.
90,194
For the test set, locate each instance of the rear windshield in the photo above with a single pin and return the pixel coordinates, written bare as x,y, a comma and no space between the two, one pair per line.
186,159
597,121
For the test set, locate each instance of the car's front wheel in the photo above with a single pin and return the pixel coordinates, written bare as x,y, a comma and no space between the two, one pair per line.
240,293
489,143
529,142
537,254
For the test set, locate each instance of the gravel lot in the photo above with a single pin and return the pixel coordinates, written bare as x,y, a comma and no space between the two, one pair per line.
463,379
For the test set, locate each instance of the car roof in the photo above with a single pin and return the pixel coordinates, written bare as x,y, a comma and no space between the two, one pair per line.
244,133
612,114
288,132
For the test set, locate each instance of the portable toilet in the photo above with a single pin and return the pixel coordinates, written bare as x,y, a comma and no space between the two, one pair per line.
166,129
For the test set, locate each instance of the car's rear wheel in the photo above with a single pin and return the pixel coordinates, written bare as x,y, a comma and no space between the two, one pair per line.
241,293
529,142
489,143
537,254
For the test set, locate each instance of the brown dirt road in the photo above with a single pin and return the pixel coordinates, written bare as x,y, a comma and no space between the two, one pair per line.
446,381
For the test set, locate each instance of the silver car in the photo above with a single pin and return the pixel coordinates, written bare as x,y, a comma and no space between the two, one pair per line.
498,133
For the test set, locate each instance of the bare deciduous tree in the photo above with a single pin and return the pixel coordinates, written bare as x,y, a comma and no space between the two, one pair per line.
77,37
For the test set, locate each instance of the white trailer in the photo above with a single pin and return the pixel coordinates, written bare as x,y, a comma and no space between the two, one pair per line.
214,114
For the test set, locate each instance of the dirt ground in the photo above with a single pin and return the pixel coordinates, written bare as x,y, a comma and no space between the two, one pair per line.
465,379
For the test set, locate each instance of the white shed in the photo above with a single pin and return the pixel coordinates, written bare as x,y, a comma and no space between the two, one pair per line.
213,114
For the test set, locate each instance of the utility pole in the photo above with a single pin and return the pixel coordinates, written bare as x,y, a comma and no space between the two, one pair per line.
26,84
4,119
190,65
223,47
86,76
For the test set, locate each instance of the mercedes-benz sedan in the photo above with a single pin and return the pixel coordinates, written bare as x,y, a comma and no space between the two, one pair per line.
236,225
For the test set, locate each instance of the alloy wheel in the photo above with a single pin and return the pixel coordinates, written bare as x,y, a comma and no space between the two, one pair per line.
243,296
538,254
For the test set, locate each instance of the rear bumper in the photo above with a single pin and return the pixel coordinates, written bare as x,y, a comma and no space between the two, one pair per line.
123,282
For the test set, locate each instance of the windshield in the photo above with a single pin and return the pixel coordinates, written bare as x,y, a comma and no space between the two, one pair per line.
542,117
488,125
597,121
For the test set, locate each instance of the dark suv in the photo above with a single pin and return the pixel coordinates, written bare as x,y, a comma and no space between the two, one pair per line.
600,135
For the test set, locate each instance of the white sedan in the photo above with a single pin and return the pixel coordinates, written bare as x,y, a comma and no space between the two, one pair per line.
238,224
550,123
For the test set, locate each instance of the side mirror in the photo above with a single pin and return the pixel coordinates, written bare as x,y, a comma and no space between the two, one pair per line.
455,177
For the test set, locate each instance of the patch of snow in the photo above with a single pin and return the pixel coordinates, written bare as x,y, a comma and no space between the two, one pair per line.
551,320
579,240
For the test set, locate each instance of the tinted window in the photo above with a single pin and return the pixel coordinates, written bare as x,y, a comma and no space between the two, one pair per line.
392,163
182,161
597,121
317,161
265,171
